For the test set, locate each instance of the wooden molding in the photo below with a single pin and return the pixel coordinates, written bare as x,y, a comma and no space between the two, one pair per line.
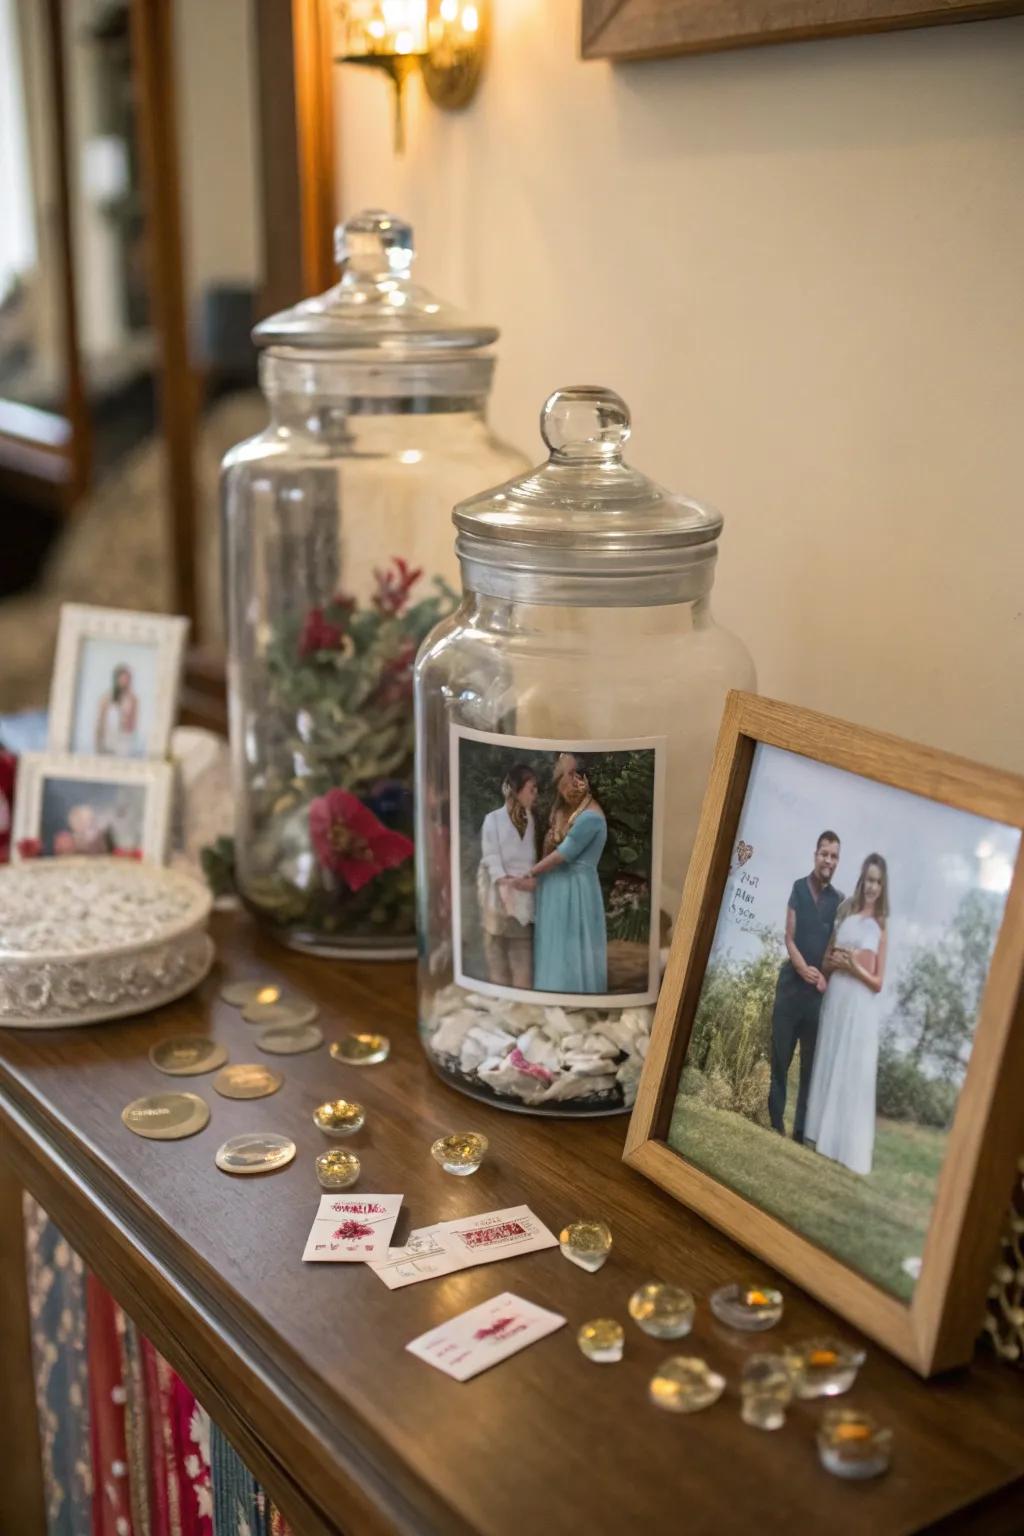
314,115
152,43
649,29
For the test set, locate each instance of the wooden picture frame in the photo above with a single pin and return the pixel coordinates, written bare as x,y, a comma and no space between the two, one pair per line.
163,635
37,769
936,1329
650,29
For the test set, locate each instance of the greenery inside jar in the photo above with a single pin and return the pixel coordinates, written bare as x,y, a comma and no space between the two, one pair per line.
331,801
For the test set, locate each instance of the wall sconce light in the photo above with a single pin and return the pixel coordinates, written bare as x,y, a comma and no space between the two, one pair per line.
445,39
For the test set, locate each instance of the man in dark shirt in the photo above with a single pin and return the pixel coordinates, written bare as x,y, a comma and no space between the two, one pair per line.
810,917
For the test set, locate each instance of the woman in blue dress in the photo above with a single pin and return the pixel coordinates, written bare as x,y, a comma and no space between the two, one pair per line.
570,946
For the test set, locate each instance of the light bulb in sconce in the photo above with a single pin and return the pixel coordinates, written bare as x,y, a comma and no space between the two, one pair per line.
446,39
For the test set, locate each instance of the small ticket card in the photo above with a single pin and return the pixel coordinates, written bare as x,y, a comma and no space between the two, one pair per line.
481,1337
452,1245
352,1228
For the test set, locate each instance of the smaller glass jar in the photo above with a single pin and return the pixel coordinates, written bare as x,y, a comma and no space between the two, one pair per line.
566,716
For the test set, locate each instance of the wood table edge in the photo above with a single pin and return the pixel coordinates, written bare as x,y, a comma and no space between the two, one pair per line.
205,1339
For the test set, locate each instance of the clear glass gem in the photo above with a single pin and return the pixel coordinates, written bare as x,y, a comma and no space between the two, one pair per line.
766,1387
460,1153
823,1367
664,1311
602,1340
685,1384
851,1444
587,1242
361,1050
337,1170
747,1307
339,1117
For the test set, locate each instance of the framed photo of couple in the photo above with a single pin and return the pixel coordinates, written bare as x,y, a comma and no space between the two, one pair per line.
837,1062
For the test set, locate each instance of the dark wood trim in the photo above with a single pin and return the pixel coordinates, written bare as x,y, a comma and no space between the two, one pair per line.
22,1499
153,67
277,132
204,692
80,450
650,29
314,109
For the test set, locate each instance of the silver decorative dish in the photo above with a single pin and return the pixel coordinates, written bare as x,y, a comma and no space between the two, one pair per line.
85,939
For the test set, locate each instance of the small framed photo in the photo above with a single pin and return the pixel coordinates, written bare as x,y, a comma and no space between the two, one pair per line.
115,685
556,867
66,804
837,1062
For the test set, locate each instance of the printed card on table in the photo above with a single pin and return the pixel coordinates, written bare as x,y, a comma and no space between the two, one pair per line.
352,1228
485,1335
451,1245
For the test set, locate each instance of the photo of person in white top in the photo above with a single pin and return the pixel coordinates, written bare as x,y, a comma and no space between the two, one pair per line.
508,852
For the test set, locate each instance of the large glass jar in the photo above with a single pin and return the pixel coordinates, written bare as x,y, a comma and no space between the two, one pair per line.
566,719
338,560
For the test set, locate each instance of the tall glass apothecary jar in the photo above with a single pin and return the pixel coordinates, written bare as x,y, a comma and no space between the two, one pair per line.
338,560
566,719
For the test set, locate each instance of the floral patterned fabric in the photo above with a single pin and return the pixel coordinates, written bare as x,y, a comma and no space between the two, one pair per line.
111,1506
56,1293
240,1507
127,1450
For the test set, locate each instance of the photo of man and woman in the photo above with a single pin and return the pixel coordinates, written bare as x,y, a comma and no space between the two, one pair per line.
839,1003
554,864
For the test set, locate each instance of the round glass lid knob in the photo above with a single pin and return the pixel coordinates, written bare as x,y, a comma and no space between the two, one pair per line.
585,421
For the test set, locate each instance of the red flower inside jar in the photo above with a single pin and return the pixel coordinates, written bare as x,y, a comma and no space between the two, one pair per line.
349,840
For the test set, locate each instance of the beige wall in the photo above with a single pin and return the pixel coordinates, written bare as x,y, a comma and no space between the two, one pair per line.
217,141
803,266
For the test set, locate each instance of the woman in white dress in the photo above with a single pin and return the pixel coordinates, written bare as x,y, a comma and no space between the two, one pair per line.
508,851
118,717
841,1102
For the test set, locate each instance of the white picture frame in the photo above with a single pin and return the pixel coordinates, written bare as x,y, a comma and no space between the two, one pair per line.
93,646
46,783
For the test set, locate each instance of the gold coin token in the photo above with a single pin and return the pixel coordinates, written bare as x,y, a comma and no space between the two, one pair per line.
239,993
247,1081
166,1116
255,1152
281,1041
187,1055
361,1050
288,1010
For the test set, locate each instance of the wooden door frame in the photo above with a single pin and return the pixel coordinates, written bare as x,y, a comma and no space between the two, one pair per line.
45,456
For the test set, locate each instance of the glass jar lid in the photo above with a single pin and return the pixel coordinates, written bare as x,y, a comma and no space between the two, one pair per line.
376,305
585,509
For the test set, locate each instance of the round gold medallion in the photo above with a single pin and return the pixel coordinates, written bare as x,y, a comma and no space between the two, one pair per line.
166,1116
187,1055
240,993
361,1050
255,1152
282,1041
288,1010
247,1081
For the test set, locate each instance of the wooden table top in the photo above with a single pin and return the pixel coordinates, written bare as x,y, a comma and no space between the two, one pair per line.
304,1366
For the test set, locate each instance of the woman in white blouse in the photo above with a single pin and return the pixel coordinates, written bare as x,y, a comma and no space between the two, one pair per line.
508,851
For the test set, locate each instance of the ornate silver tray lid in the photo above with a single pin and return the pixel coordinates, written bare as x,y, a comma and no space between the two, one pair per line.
84,939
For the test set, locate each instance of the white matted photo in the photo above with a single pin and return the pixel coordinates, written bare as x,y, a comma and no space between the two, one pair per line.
556,856
115,684
68,804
